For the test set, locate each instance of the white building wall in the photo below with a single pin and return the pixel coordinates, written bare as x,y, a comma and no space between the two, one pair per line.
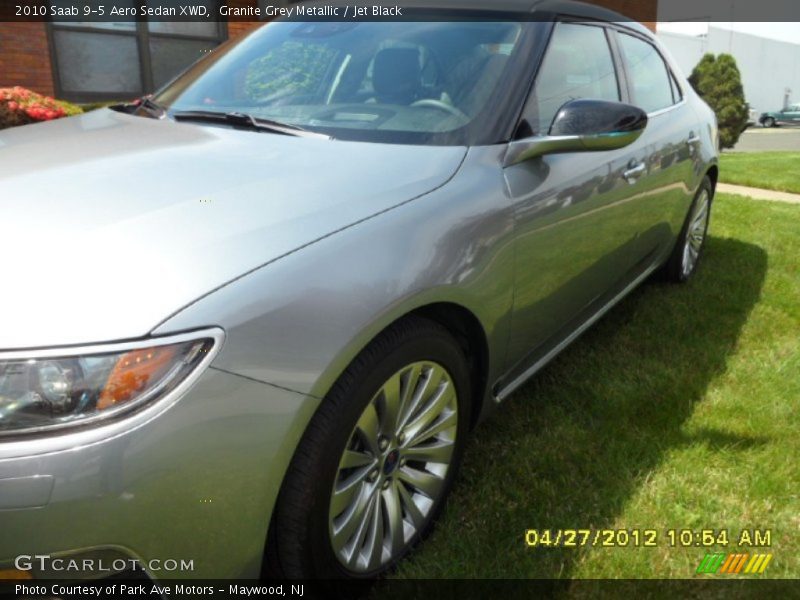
769,67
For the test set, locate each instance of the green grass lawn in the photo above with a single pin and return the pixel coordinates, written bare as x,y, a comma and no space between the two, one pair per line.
769,170
679,409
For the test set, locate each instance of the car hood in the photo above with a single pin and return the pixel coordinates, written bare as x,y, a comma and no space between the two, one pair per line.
111,223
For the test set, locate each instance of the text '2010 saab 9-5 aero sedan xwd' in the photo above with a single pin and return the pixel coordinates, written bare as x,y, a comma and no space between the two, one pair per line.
258,313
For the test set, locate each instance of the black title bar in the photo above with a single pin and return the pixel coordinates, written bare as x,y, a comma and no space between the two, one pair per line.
88,11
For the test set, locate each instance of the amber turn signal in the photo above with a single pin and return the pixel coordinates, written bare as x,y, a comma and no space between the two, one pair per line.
133,372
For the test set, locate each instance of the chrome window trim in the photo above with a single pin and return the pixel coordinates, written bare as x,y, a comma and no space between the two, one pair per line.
662,111
79,435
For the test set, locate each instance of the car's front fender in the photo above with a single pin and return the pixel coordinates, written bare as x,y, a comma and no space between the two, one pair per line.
298,322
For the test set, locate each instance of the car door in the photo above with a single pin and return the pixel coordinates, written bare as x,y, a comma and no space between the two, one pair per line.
669,146
793,114
575,239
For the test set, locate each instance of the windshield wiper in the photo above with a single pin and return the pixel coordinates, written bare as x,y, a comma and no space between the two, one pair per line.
239,119
145,102
148,103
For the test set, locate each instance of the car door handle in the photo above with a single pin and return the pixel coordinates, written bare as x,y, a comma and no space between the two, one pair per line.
634,172
692,142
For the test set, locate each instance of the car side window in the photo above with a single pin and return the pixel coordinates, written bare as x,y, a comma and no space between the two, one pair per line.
577,64
653,88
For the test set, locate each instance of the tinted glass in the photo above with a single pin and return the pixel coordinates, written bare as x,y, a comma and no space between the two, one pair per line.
386,82
193,28
170,56
96,6
577,64
106,25
652,89
97,62
198,29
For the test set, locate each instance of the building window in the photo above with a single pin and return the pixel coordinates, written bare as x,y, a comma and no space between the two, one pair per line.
118,61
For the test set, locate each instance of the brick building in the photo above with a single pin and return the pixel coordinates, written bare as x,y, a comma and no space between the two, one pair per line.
95,61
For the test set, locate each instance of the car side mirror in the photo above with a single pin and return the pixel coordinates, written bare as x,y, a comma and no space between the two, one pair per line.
583,126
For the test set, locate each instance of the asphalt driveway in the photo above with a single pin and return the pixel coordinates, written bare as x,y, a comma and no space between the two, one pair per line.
760,139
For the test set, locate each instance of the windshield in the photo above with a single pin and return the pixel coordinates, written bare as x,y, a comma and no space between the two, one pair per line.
424,83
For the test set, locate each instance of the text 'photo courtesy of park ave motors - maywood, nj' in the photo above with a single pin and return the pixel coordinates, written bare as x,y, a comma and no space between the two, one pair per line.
156,590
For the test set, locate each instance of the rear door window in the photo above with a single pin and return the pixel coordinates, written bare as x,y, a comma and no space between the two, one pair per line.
649,76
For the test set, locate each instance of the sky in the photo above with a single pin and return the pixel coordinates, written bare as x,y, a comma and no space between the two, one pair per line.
786,32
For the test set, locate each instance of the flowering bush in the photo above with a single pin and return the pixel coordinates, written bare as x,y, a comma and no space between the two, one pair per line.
19,106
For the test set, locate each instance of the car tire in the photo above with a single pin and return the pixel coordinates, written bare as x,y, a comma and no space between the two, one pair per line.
302,534
768,122
688,250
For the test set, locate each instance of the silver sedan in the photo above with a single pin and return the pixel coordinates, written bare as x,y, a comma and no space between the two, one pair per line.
249,322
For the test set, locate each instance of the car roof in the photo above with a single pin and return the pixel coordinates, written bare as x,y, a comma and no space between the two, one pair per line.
529,8
589,12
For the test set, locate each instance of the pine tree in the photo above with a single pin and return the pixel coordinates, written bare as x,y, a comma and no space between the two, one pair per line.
717,80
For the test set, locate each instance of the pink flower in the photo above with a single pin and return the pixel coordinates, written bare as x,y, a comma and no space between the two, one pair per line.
25,105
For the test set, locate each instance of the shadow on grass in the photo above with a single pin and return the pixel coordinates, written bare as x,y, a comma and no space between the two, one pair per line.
573,446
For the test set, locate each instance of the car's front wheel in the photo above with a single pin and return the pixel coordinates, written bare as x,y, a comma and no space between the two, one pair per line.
768,122
377,460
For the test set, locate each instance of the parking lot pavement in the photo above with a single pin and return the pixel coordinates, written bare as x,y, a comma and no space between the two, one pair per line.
760,139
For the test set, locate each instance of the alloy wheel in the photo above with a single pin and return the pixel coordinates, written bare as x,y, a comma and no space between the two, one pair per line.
696,233
394,466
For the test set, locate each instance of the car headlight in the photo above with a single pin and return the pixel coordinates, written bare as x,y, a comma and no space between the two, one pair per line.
54,389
